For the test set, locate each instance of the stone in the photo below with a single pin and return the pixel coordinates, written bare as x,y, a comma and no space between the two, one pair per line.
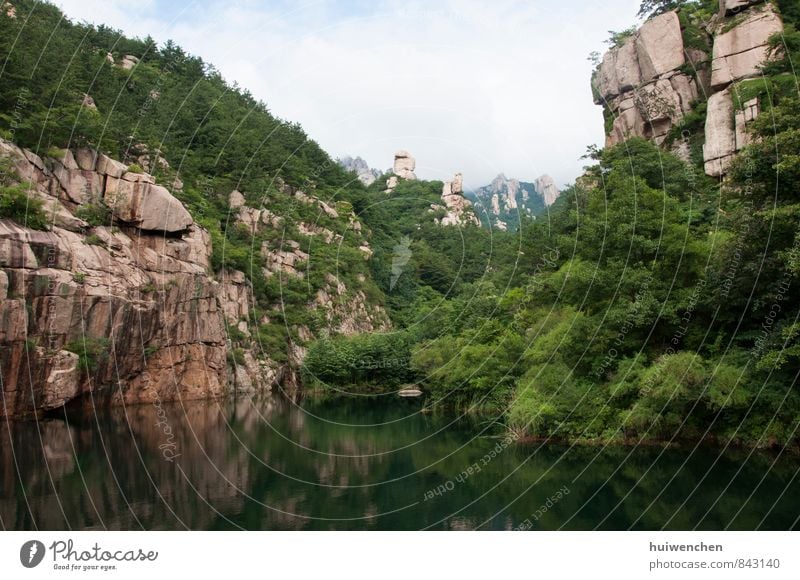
161,211
391,184
720,134
148,206
459,208
110,167
63,380
626,63
605,80
365,174
546,187
129,61
404,165
329,210
236,199
458,184
86,159
739,52
734,7
659,46
88,102
742,118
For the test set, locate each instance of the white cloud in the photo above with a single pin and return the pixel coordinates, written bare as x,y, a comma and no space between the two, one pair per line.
471,86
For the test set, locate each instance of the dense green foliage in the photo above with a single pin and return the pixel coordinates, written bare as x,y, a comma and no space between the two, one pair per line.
651,303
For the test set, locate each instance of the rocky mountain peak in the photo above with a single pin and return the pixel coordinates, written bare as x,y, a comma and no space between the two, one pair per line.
365,173
546,187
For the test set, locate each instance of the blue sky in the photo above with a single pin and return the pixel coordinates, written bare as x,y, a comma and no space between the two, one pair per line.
480,87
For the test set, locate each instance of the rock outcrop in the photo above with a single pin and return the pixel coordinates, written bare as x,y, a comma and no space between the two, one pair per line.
403,168
642,84
739,52
658,76
546,187
458,208
740,47
128,314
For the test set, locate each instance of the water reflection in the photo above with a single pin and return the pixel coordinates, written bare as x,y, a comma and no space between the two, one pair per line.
270,463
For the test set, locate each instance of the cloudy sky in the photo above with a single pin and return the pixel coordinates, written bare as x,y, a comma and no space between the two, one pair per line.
480,87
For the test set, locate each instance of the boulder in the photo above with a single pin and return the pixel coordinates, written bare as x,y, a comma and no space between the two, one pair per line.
129,61
148,206
110,167
404,165
236,199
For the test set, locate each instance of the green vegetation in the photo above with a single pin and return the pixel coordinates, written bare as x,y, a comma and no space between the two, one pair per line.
95,214
16,204
92,353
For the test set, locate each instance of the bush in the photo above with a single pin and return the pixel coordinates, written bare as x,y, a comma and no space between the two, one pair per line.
16,204
92,352
95,214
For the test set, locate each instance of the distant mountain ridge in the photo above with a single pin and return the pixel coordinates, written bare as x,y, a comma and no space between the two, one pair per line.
366,174
501,203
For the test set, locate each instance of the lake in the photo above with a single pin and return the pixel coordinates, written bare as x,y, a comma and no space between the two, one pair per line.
365,463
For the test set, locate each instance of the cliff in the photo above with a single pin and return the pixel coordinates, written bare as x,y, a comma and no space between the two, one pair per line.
679,78
115,300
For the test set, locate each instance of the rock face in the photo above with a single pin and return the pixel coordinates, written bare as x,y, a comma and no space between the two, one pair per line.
546,187
739,51
365,174
501,203
641,82
458,208
130,315
130,311
649,83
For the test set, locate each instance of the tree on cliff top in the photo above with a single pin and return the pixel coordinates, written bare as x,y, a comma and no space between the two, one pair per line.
650,8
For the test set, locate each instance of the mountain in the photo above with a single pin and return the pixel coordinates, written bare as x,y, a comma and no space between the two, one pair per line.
504,201
365,173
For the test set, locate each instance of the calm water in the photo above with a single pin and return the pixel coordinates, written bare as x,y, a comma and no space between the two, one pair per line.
360,463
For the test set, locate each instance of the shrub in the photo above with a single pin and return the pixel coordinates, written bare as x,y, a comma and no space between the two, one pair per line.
94,240
95,214
16,204
92,352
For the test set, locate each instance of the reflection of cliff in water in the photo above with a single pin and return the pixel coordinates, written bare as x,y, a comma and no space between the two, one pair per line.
360,463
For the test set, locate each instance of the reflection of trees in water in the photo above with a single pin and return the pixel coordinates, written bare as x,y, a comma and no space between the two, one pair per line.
318,462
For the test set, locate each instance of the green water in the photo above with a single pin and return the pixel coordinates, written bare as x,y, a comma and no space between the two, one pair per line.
365,463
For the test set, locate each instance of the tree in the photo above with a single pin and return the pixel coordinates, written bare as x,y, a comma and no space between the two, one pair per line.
650,8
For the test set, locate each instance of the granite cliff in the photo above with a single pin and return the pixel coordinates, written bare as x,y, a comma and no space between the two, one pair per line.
115,301
685,79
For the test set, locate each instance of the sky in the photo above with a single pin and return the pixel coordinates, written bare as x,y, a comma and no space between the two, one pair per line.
470,86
